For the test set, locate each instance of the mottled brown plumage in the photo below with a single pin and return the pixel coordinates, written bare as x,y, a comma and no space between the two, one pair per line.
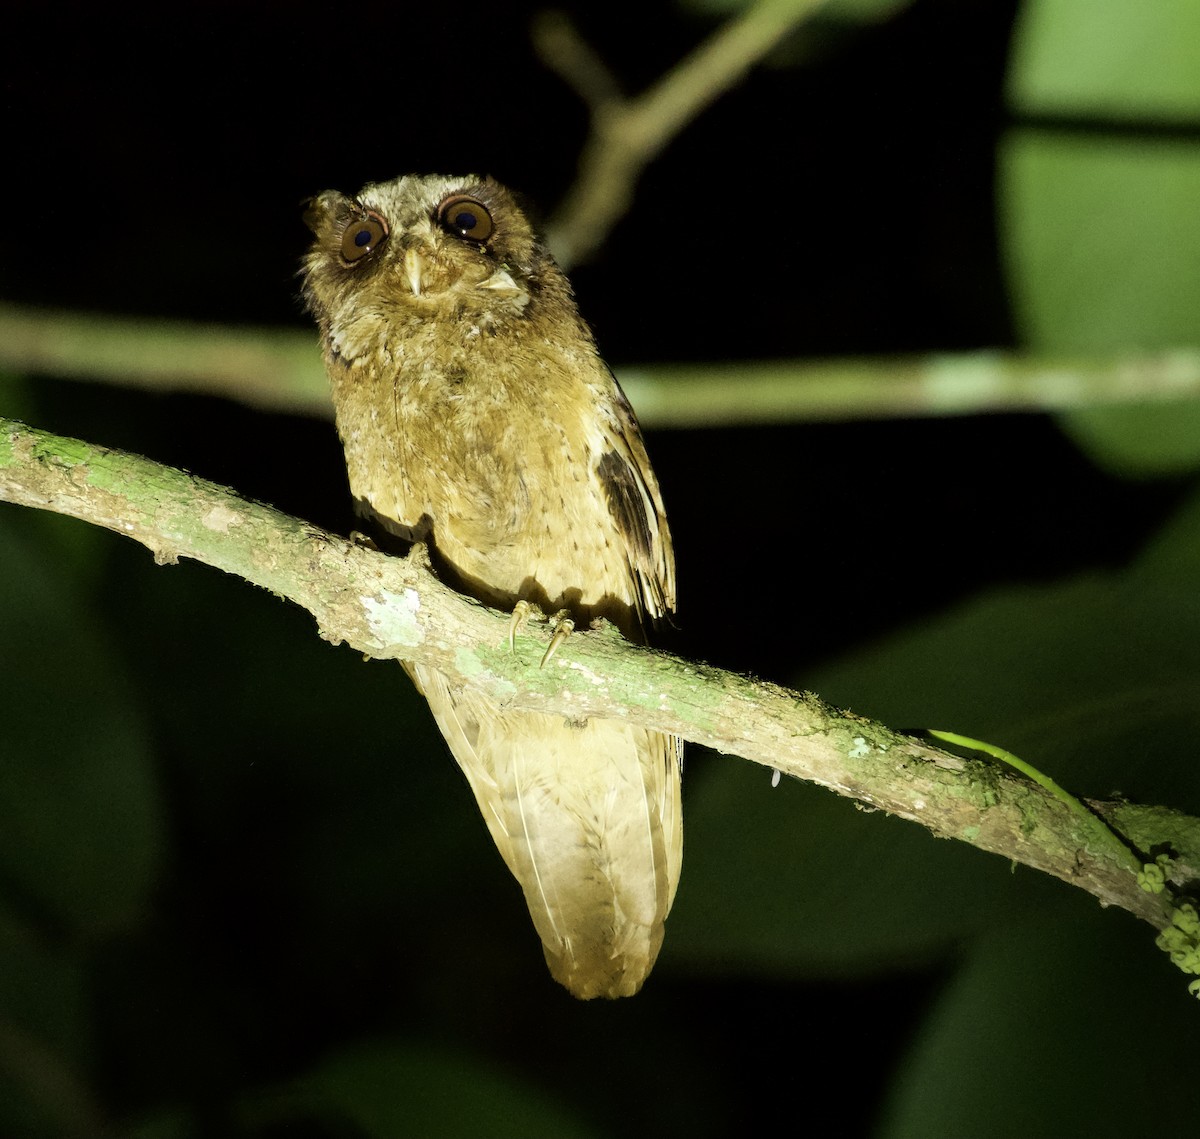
477,416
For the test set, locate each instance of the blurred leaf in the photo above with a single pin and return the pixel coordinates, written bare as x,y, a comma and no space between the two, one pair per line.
43,1031
1067,1026
16,396
1103,240
1101,231
1169,566
1092,680
1139,440
392,1088
824,889
164,1125
1104,251
41,986
323,778
80,826
1107,60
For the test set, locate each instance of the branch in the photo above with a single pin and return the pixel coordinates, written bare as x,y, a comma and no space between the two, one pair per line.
394,608
281,369
273,368
627,134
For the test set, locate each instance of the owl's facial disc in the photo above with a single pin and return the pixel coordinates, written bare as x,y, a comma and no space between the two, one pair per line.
468,223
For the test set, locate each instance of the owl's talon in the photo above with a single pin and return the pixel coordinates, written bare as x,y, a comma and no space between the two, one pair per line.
418,554
562,630
363,541
520,615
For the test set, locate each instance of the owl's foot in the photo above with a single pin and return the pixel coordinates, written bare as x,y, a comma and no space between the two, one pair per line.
520,616
563,628
418,554
364,541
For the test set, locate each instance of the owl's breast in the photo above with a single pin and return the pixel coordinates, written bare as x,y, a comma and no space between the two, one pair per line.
485,450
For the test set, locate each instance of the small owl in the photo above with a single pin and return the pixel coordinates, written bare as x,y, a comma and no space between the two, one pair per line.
478,418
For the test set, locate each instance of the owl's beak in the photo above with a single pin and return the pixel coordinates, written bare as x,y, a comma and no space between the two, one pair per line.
414,269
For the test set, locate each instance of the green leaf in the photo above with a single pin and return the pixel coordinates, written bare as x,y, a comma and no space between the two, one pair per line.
166,1124
1101,230
392,1088
1139,440
1055,1026
823,889
1168,568
44,1033
1107,60
1103,240
1092,680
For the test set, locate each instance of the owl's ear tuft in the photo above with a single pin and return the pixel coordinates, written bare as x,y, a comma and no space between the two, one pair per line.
323,211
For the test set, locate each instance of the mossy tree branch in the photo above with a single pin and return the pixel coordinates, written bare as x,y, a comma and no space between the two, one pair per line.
391,607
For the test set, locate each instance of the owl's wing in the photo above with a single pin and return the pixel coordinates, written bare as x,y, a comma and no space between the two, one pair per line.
634,500
587,815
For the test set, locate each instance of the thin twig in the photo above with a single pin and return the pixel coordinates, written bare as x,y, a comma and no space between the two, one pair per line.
392,607
627,134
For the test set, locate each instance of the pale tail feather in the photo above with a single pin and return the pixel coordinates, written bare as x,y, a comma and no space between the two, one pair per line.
587,818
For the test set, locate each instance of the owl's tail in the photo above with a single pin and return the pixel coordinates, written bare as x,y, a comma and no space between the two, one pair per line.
588,819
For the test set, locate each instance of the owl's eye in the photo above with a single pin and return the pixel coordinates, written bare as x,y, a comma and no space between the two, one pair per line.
466,217
363,235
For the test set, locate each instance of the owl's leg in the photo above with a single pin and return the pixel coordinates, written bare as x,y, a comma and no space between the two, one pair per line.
563,628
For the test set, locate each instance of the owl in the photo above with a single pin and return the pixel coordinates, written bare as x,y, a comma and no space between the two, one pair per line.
478,418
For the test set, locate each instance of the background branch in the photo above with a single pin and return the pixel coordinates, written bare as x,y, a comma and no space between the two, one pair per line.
394,608
627,134
274,368
280,369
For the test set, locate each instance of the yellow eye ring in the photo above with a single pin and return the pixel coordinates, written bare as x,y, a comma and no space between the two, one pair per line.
466,217
362,236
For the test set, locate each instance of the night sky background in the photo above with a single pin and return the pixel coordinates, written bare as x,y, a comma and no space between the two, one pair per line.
275,910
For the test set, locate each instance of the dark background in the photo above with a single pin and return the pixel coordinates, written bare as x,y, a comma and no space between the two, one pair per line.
323,910
839,202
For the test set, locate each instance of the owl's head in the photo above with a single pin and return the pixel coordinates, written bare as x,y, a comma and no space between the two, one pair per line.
438,246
